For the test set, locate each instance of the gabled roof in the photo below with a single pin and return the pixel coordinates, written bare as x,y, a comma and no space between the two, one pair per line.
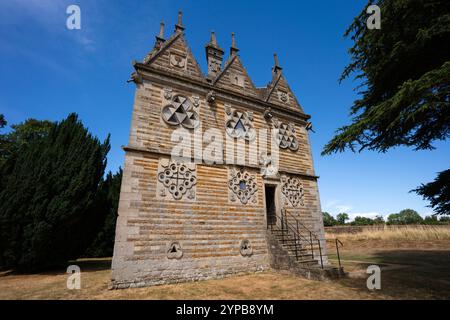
234,77
174,56
277,89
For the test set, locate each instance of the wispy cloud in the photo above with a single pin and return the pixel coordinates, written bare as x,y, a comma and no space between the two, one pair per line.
45,12
36,58
336,206
49,15
330,204
85,41
343,208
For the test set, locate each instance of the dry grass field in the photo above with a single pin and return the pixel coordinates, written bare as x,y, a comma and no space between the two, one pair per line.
414,265
399,233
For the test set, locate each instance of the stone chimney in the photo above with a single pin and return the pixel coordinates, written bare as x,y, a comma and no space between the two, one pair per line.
214,57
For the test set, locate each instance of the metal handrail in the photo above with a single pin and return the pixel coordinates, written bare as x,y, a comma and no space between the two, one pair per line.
337,241
320,253
285,225
299,223
289,226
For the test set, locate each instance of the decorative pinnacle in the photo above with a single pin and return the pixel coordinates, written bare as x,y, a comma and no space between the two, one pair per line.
213,39
233,49
161,30
179,25
276,67
160,37
275,58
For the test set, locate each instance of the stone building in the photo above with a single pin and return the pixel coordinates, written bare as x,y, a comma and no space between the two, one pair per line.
251,207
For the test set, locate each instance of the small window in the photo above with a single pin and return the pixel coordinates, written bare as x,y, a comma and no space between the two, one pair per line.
237,79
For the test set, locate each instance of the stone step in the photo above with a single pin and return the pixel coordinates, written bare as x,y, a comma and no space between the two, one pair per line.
303,258
294,245
303,263
308,263
280,233
299,241
299,254
291,237
299,250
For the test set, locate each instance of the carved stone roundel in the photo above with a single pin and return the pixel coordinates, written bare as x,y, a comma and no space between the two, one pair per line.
180,112
177,61
174,251
286,137
283,96
243,185
293,190
177,178
246,248
239,125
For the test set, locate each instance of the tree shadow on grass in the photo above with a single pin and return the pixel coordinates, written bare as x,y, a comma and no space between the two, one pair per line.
421,274
85,264
93,264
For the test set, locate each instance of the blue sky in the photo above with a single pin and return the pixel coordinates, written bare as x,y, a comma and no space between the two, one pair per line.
48,71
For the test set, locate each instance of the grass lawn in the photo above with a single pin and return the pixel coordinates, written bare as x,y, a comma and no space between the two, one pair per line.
410,270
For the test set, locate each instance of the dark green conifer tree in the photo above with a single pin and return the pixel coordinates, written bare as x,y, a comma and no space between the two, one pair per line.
48,195
108,202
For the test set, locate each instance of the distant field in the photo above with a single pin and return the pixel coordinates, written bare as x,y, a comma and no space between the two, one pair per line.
414,232
411,269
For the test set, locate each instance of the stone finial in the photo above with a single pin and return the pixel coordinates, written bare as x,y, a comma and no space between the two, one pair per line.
179,26
276,67
180,15
213,40
233,49
160,37
161,30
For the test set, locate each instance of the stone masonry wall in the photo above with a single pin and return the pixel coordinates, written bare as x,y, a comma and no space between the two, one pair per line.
198,234
209,229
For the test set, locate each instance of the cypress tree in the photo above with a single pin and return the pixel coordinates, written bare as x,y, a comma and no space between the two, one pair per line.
48,195
108,203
